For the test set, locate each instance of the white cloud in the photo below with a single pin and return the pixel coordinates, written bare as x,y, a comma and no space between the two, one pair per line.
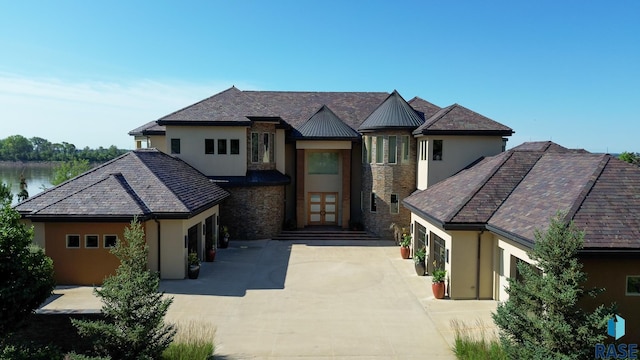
91,113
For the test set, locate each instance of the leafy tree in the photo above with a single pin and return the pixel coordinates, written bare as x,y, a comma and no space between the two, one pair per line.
5,193
631,158
23,194
134,310
26,274
16,147
542,318
68,170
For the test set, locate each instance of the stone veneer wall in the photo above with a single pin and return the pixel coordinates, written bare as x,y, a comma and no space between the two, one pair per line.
253,212
386,179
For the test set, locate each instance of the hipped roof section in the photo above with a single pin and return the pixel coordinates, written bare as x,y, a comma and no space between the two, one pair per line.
517,192
458,120
144,182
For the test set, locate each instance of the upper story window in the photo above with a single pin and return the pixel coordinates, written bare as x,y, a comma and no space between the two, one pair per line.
175,146
437,150
379,149
235,146
255,147
138,144
222,146
404,157
208,146
268,147
423,149
366,157
393,149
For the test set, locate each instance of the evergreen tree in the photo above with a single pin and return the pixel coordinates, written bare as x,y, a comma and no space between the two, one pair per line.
542,318
26,274
133,307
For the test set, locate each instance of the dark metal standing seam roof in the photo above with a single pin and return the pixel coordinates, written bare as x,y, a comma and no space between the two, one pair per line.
393,113
325,124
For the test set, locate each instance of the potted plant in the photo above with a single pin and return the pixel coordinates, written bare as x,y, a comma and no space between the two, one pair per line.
405,242
437,282
419,260
194,265
211,254
223,243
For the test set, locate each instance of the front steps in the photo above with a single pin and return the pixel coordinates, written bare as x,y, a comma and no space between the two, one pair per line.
325,234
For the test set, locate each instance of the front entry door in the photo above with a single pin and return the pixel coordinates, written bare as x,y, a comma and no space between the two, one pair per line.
323,208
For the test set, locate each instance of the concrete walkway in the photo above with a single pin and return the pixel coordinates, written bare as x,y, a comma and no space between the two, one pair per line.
312,300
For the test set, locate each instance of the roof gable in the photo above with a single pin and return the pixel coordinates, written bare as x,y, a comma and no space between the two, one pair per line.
426,108
394,112
325,124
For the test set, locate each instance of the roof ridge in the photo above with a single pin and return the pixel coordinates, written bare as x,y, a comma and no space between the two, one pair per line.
161,181
444,111
127,187
588,186
201,101
496,168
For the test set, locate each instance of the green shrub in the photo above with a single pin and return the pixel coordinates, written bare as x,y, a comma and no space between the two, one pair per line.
193,341
24,352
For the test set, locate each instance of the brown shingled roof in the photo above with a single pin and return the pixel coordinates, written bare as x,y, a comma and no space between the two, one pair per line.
141,182
456,119
518,191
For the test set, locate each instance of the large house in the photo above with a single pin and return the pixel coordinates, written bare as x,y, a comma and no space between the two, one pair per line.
479,223
321,158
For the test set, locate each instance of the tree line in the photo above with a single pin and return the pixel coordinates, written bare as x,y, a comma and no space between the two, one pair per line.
19,148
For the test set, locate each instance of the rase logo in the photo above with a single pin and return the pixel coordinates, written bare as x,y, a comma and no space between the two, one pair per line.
616,329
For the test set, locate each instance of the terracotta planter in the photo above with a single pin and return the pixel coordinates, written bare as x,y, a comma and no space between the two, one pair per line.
405,252
421,268
438,290
211,255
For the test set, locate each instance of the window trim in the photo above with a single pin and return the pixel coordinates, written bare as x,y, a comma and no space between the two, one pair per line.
175,145
67,241
104,240
393,152
397,204
369,148
86,241
437,156
237,147
379,149
626,286
406,148
255,147
222,146
209,146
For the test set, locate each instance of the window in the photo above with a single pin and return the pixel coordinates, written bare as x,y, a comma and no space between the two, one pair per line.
368,143
374,206
138,144
393,149
175,146
235,146
255,147
437,150
222,146
394,204
268,148
91,241
405,149
110,241
439,251
633,285
73,241
326,163
364,149
379,149
423,149
208,146
501,261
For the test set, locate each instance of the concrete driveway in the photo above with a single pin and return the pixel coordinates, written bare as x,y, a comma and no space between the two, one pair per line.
312,300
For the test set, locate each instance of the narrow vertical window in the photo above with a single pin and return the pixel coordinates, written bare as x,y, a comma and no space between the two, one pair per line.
208,146
369,144
437,150
394,208
272,147
266,150
374,206
405,149
255,147
379,149
235,146
364,149
222,146
393,149
175,146
423,149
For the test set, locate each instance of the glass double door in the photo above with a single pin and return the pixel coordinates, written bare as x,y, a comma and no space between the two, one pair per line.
323,208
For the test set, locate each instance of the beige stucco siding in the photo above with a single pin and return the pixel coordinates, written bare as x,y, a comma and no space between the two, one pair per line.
457,153
192,148
505,268
323,183
323,144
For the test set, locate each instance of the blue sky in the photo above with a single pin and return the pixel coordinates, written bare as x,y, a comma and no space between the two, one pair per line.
87,72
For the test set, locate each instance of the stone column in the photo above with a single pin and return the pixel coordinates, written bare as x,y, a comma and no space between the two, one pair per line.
301,218
346,187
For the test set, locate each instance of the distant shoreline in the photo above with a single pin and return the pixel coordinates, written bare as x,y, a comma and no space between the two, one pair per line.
28,163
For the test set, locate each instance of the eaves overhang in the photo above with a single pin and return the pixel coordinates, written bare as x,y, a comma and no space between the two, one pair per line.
465,226
465,132
511,236
382,128
422,214
204,123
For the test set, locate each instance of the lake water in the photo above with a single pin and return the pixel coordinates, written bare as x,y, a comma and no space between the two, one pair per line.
38,175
